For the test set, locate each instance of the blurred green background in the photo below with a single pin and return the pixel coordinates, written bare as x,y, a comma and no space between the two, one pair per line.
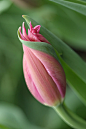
18,108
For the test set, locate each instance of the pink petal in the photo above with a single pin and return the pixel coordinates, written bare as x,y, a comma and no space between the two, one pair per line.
37,28
21,35
54,69
31,27
29,81
42,80
24,32
32,37
42,39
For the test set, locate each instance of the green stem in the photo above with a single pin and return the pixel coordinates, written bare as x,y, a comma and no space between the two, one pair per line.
69,117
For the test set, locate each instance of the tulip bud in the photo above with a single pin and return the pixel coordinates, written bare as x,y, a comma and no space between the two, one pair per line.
43,73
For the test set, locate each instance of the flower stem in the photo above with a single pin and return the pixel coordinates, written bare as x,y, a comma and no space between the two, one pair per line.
69,117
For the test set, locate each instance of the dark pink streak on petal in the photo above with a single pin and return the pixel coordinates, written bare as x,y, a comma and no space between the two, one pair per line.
30,82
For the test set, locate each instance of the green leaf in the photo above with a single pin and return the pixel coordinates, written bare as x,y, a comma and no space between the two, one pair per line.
13,118
76,5
4,127
4,5
76,83
74,65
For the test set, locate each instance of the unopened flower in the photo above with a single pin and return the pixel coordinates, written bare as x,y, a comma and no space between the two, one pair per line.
43,73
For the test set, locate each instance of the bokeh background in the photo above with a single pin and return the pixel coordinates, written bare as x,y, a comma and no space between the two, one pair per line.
18,108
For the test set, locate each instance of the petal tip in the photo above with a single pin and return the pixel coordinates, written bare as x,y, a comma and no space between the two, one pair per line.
31,26
23,24
19,30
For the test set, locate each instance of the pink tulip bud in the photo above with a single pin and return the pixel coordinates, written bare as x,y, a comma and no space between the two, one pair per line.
43,74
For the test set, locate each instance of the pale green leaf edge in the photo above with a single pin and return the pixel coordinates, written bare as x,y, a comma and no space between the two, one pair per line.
78,6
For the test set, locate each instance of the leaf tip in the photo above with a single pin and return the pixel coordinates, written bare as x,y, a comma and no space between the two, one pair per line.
23,16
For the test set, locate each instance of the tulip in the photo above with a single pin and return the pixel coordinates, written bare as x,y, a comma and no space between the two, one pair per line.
44,75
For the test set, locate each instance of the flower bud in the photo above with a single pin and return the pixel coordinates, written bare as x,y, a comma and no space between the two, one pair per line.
43,73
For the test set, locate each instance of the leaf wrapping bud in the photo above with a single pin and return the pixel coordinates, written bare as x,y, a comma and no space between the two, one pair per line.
44,75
